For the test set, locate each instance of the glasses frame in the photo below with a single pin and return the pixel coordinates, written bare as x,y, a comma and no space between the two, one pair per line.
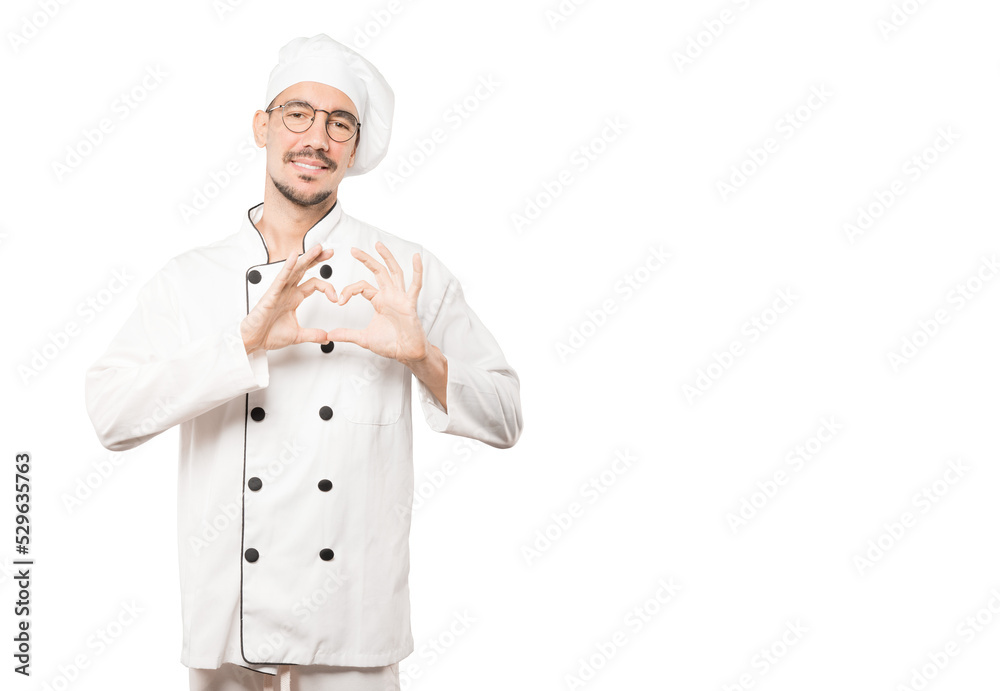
312,120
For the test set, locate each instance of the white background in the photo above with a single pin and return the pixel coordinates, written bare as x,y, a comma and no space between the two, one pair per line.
541,618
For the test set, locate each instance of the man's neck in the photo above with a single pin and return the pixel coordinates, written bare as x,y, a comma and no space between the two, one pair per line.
283,223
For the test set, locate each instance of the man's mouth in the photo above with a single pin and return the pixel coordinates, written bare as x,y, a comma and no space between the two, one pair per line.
309,165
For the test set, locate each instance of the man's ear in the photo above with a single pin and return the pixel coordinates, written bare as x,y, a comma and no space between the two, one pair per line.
259,127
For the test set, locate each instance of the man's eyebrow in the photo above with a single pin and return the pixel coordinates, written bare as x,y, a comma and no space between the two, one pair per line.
334,112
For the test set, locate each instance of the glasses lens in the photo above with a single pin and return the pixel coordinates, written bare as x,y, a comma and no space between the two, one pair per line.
297,116
341,127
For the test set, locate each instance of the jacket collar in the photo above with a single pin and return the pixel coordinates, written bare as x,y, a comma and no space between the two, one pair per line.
319,234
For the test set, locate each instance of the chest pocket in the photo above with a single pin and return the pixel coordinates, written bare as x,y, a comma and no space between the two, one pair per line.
371,387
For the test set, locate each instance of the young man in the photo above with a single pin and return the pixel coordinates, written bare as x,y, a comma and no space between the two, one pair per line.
293,400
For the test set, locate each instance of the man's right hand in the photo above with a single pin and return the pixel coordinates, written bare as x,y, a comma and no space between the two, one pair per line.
272,323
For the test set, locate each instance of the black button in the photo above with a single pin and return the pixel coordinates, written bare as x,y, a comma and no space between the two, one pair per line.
326,412
327,347
326,554
254,276
325,271
255,484
253,555
325,485
257,414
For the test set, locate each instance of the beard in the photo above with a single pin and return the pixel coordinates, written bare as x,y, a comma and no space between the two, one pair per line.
296,198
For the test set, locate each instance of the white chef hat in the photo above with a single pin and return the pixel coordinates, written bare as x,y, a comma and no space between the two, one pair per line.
321,59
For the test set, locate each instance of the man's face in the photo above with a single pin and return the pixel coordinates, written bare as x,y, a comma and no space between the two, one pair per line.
287,150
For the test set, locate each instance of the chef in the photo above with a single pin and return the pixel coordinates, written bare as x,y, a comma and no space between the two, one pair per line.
286,353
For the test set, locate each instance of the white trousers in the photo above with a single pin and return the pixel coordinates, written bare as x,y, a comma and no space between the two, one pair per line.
231,677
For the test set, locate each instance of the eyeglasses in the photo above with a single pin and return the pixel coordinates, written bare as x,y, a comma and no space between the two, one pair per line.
298,116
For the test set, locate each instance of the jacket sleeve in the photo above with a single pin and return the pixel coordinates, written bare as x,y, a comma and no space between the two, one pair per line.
483,391
155,374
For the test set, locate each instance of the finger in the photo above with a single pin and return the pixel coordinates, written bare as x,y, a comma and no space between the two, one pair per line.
284,275
418,278
346,336
290,263
394,268
376,268
322,256
310,286
311,336
294,267
363,287
309,259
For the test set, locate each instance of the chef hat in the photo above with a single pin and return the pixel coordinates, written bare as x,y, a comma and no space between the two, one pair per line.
321,59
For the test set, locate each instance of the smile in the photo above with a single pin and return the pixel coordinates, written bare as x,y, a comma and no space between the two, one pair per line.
307,167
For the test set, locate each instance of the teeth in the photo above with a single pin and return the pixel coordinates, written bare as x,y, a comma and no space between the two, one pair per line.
306,165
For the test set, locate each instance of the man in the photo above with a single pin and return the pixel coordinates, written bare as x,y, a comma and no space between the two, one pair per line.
293,400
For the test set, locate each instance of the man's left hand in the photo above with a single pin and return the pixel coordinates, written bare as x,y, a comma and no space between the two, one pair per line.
394,331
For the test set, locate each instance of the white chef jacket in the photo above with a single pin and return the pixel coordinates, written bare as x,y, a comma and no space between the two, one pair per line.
295,479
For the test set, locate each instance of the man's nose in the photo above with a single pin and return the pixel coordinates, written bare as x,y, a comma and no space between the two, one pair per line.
317,136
